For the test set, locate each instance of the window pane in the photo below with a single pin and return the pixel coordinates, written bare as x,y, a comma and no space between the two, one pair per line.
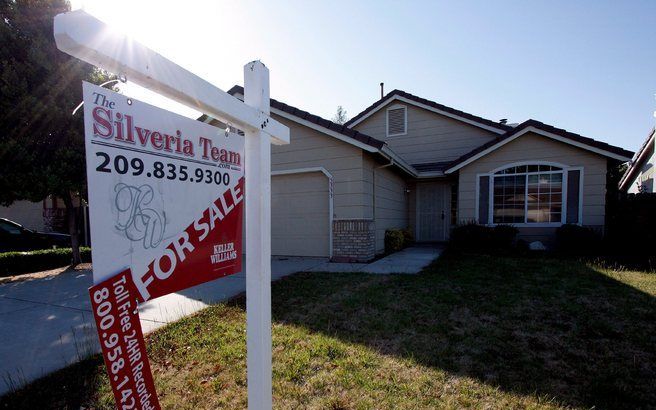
545,198
509,199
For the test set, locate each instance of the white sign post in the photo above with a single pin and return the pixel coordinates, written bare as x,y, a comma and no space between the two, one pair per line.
258,243
85,37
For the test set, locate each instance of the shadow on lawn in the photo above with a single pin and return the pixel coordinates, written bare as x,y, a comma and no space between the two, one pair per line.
528,326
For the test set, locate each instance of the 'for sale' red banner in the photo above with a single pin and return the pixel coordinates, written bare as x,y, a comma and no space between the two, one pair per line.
114,303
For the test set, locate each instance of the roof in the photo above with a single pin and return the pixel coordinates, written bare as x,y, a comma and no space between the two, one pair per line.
638,159
443,109
541,128
315,119
508,133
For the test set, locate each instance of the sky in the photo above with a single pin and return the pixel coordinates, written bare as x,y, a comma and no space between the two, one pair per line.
586,66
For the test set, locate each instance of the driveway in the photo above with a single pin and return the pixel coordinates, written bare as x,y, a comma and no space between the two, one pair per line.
47,324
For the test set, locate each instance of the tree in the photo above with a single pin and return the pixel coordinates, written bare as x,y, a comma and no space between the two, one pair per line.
41,142
340,116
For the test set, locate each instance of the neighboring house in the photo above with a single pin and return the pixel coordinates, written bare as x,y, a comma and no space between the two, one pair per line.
407,162
26,213
48,215
639,177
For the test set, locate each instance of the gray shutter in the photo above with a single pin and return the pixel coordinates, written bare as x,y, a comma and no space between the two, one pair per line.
483,199
573,187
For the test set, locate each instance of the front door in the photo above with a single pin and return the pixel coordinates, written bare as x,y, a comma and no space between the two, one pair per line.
432,212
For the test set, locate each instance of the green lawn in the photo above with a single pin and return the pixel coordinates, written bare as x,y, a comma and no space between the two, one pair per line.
472,331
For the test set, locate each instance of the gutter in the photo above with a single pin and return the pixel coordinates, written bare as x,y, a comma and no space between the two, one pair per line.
390,155
396,160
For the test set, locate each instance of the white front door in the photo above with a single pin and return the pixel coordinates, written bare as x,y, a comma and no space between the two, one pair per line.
432,211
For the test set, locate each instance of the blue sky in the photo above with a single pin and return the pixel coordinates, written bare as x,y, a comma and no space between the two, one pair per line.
587,67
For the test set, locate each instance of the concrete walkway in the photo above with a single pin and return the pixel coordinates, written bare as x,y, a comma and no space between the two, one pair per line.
47,324
409,261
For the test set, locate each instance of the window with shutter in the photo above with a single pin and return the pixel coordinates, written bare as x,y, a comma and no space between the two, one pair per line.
531,194
396,121
528,194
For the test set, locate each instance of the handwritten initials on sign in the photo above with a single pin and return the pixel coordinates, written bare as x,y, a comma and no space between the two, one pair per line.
135,219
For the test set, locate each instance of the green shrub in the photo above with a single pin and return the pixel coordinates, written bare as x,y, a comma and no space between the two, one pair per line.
480,238
577,240
408,239
12,263
394,240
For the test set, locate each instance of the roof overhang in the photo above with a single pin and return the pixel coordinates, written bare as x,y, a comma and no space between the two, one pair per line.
323,130
639,159
544,133
384,150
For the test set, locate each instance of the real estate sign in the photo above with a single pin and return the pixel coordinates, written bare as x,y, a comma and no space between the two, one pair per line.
165,202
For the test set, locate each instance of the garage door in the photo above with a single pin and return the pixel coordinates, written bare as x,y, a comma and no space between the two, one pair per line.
300,215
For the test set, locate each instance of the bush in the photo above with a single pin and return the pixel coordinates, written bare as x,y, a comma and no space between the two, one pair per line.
480,238
470,236
577,240
12,263
407,237
394,240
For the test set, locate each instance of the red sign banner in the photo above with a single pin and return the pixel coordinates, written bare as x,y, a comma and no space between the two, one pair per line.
207,249
114,304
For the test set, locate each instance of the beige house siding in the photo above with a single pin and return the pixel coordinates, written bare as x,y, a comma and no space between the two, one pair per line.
391,201
412,208
430,137
532,147
29,214
310,148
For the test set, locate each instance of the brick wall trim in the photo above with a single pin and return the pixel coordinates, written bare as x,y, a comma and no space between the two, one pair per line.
354,240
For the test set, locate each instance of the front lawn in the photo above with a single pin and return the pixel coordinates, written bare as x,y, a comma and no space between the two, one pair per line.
472,331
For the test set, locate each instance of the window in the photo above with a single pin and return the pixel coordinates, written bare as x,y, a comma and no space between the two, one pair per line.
396,120
528,194
10,228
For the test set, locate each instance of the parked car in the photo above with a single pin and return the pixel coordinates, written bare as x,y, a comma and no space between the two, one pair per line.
15,237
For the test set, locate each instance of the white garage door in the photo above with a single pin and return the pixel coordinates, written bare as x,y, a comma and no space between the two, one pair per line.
300,215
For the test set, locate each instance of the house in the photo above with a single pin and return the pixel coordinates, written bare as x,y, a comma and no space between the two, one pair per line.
26,213
639,177
48,215
408,162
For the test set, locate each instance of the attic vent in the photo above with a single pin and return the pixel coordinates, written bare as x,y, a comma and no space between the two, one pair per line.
396,121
